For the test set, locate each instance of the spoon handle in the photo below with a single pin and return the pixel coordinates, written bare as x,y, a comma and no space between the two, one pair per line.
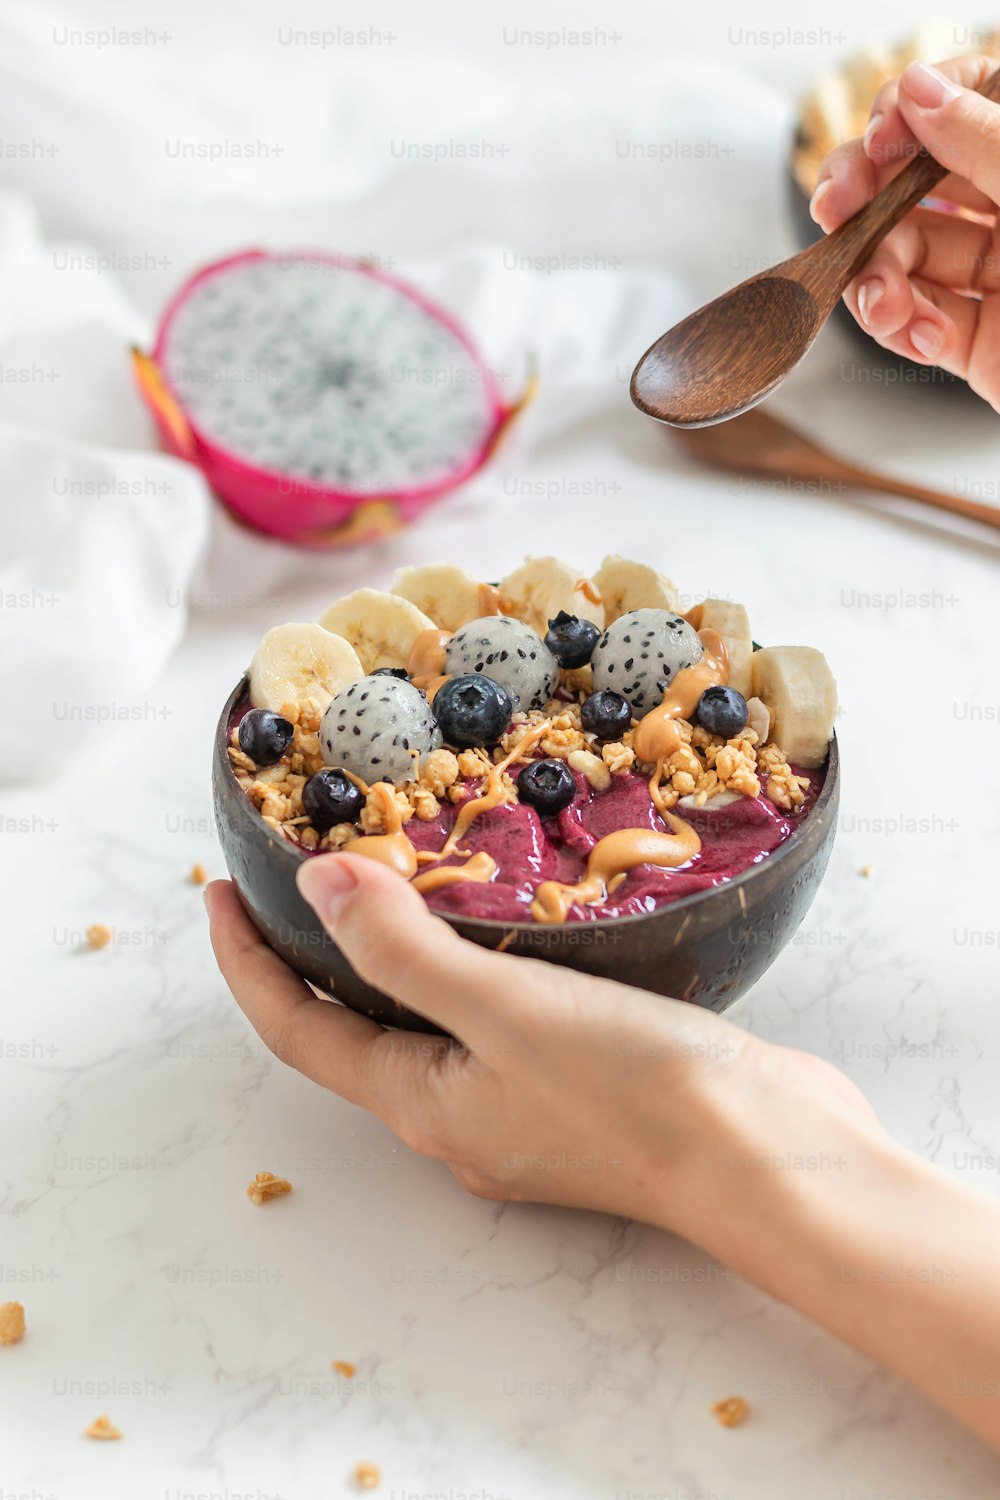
955,505
841,255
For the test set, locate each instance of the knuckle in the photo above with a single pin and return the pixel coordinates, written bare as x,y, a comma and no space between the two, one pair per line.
479,1184
279,1039
974,140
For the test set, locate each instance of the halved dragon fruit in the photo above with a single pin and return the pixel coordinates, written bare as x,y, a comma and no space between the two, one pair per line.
324,401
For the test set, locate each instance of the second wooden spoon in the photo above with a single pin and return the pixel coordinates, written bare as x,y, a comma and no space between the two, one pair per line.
761,444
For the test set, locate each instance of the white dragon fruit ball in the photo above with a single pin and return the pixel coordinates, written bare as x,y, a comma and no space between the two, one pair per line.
509,652
373,728
641,653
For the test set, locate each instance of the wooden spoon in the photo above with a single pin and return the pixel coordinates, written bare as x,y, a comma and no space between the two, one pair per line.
729,355
761,444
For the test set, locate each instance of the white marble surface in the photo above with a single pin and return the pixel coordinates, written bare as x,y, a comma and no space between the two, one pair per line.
521,1351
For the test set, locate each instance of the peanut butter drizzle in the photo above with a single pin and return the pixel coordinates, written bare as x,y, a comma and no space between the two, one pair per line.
481,868
490,798
426,658
610,861
391,848
588,589
657,736
489,599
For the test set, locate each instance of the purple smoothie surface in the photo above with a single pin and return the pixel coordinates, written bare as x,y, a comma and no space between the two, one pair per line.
529,849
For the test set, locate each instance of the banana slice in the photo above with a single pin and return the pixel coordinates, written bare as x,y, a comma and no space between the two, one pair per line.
446,594
733,624
625,586
542,586
381,627
759,719
296,662
797,686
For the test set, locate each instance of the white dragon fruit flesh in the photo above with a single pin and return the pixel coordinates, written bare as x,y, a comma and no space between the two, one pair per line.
509,652
640,654
379,728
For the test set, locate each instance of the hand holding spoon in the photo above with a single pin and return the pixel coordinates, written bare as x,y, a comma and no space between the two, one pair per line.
725,358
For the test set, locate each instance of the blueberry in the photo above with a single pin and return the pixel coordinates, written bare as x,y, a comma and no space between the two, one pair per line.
547,786
392,672
331,797
571,640
472,710
721,710
606,714
265,736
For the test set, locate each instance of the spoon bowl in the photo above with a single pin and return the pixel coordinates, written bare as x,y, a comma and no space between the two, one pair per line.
715,365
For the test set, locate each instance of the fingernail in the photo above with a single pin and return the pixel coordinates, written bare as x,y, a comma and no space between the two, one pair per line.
871,131
870,294
928,86
822,189
326,883
927,338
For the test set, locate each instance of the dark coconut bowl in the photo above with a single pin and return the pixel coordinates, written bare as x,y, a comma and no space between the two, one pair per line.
708,948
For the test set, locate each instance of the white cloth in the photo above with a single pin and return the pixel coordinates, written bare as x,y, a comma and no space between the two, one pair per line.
576,221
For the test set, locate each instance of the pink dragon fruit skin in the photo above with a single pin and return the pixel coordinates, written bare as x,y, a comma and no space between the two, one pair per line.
297,509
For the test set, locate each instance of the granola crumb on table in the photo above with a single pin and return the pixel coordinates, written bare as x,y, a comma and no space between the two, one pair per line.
102,1429
11,1323
98,935
732,1412
266,1186
345,1367
199,875
367,1475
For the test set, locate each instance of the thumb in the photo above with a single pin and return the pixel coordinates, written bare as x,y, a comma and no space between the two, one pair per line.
959,127
394,942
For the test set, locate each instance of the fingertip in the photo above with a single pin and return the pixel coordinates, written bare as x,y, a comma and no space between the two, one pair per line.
927,87
816,201
871,131
846,187
928,338
870,294
213,894
883,298
325,881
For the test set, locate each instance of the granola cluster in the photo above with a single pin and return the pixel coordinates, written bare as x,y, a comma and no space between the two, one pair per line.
732,1412
704,766
11,1322
266,1186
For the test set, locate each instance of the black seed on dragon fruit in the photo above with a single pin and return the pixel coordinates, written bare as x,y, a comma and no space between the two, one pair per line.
509,652
379,728
641,653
